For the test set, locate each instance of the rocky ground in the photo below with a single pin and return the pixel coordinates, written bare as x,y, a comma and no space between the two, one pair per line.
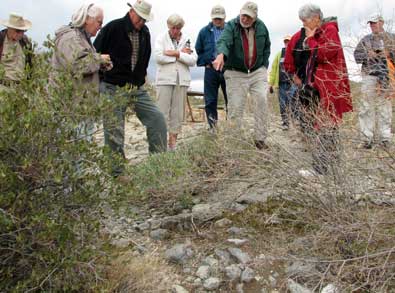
205,250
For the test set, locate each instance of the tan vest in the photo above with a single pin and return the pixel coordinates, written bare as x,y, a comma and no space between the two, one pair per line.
13,60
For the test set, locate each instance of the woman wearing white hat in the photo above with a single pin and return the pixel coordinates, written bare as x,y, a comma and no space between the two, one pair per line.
15,49
76,56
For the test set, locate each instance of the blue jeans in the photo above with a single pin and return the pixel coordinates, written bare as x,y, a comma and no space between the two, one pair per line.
212,81
286,96
146,111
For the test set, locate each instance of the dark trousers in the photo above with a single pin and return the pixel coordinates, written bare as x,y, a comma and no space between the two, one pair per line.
114,120
286,92
212,81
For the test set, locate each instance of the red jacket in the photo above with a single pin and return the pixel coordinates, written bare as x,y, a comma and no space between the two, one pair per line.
330,77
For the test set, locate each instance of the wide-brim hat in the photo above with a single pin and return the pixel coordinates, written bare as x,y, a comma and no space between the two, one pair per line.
143,9
16,21
287,38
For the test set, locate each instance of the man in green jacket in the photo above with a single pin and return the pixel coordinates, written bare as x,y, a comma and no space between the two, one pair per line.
243,52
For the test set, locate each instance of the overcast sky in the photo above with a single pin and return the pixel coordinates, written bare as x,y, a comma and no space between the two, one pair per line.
280,16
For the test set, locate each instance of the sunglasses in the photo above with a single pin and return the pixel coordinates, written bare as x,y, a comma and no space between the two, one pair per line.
20,31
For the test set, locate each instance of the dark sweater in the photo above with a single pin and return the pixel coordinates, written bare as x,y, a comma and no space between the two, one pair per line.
113,39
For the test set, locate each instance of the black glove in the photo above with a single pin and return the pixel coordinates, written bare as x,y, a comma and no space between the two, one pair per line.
271,90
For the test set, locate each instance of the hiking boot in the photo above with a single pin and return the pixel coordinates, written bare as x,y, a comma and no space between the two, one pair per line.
261,145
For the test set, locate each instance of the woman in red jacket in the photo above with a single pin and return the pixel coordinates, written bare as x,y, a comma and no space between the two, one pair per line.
316,61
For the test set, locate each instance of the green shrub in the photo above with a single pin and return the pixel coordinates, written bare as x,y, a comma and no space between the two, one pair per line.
51,187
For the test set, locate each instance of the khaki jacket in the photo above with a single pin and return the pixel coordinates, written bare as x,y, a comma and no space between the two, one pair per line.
74,54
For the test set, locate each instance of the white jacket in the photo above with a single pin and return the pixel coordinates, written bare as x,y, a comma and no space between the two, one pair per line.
168,68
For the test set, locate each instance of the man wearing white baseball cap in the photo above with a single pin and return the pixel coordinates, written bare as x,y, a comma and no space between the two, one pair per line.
372,52
15,49
243,51
128,42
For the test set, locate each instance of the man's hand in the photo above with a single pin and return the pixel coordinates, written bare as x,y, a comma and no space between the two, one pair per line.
172,53
218,63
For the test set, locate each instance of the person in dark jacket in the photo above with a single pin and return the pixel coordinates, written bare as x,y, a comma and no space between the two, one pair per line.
15,49
206,50
372,52
127,40
243,51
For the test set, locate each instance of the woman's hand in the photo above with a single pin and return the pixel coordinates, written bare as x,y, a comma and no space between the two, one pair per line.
172,53
297,80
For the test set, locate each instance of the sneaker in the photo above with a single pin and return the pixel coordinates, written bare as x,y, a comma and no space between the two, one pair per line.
285,127
260,144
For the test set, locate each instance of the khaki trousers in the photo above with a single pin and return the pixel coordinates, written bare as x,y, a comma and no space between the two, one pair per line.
171,101
239,84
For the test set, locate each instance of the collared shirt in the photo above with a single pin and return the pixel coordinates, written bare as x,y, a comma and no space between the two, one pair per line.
135,40
13,59
217,31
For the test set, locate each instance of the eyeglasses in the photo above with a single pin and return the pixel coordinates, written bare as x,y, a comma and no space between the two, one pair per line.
142,19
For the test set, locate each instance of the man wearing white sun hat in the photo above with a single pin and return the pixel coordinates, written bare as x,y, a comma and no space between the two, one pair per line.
15,49
128,42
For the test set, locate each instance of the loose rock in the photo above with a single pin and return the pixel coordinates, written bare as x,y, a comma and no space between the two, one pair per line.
212,284
247,275
179,253
233,272
203,272
240,256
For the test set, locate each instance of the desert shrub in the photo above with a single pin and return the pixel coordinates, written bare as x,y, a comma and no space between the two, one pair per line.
52,185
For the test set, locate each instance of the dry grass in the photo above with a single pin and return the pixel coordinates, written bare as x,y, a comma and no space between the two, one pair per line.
148,273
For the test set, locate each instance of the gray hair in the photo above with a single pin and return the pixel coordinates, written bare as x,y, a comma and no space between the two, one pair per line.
310,10
79,17
175,20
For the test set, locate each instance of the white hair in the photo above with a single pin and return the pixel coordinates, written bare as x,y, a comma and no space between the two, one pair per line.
79,17
310,10
175,20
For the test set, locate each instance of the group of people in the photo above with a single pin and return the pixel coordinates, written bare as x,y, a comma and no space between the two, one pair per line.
310,72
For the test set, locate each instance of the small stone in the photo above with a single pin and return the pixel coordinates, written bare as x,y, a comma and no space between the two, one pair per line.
210,261
121,243
142,227
237,207
233,272
236,231
197,283
178,289
179,253
223,223
160,234
247,275
240,256
212,284
203,272
330,288
223,256
297,288
237,242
